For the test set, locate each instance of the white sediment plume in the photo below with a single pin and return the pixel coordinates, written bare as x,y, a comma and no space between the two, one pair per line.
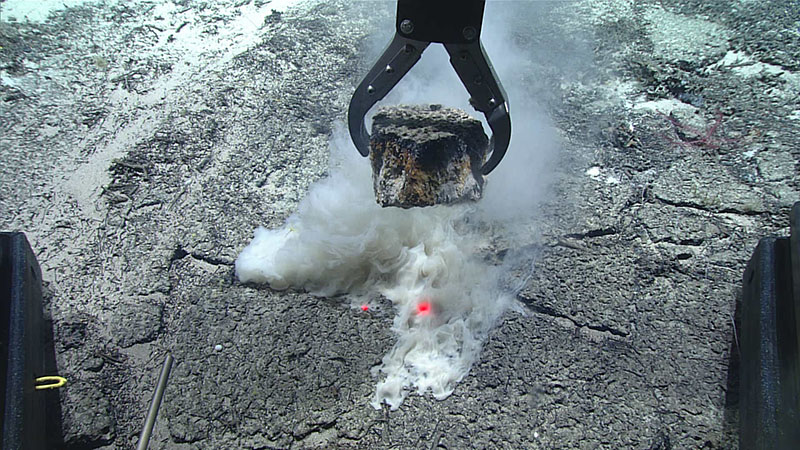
422,260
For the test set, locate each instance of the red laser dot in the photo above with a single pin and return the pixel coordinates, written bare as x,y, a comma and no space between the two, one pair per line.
423,308
365,307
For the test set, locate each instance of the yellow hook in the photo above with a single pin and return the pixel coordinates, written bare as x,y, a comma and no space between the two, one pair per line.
53,382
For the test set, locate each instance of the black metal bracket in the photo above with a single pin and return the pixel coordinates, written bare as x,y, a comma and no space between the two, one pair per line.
769,409
442,21
22,355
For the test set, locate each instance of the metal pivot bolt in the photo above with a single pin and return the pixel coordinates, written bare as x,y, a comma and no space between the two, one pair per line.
469,33
406,26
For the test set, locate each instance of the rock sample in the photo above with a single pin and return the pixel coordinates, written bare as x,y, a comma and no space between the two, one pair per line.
425,155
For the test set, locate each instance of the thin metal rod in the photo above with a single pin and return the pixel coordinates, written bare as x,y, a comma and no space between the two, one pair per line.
144,438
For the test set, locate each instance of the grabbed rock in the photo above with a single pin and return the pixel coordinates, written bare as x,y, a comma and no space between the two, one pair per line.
424,155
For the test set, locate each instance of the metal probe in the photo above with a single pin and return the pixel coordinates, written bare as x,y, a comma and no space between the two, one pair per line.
144,438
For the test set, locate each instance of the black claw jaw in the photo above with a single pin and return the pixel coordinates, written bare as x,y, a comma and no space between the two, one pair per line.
486,95
500,123
457,25
398,58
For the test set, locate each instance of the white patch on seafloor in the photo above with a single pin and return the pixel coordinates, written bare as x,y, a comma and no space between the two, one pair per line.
677,36
8,80
39,10
282,5
666,106
596,173
593,172
745,66
35,11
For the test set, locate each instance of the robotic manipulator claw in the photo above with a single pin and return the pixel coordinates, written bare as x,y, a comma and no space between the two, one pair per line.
456,24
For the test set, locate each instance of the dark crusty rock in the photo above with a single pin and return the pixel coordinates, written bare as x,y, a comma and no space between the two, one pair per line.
426,155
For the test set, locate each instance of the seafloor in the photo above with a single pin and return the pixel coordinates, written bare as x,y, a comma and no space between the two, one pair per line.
142,143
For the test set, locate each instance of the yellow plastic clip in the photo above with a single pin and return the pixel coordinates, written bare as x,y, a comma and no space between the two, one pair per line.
52,382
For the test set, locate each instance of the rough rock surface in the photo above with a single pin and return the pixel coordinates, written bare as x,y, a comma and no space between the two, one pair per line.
424,155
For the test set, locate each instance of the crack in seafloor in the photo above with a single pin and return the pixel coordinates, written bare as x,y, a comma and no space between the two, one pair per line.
548,311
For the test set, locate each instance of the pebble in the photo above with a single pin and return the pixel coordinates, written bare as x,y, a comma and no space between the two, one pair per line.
218,347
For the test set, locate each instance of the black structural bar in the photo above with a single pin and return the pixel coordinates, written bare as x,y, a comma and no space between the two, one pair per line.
443,21
770,365
22,357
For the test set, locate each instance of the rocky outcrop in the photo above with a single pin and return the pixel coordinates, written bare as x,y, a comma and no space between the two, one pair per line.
426,155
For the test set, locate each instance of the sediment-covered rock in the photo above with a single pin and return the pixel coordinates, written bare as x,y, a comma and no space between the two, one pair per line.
425,155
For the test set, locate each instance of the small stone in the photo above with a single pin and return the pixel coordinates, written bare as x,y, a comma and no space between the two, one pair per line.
93,364
426,155
218,348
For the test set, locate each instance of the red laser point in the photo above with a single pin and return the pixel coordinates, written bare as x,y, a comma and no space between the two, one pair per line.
423,308
365,307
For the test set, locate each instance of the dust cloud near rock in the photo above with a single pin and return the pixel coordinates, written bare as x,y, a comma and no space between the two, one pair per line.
419,262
